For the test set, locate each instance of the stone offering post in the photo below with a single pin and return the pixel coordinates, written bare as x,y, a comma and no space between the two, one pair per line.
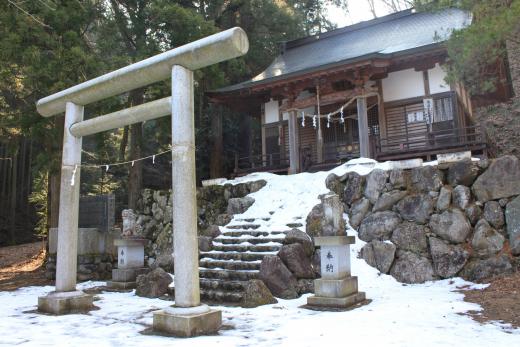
130,254
187,317
336,288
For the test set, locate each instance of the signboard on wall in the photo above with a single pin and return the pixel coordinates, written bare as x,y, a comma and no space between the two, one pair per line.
97,212
428,110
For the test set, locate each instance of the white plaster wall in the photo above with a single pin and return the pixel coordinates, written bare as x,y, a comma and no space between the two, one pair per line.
436,77
304,94
271,111
403,84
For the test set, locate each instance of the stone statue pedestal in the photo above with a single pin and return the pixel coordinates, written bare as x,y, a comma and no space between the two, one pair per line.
187,321
130,263
60,303
336,288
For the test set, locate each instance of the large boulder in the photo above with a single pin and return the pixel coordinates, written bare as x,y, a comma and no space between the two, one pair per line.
376,181
378,226
153,284
316,262
399,179
411,237
500,180
277,277
335,183
451,225
326,218
235,190
305,286
412,268
462,172
480,269
379,254
239,205
256,294
205,243
358,211
417,208
164,260
513,225
461,197
387,200
296,260
473,212
223,219
255,186
298,236
486,240
494,214
426,179
353,187
444,198
448,260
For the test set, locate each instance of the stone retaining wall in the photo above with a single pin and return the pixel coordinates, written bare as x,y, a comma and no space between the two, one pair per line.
216,205
96,254
432,222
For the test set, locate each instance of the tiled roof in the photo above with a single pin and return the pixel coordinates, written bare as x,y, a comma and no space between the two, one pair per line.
378,38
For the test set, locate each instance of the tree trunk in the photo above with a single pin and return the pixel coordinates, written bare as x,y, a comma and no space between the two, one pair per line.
135,177
53,211
215,165
12,207
54,199
124,143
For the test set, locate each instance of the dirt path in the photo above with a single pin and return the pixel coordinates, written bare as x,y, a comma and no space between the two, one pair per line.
22,265
500,301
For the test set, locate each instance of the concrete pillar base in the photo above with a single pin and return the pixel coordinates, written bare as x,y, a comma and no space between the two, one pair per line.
187,322
125,278
60,303
336,288
345,302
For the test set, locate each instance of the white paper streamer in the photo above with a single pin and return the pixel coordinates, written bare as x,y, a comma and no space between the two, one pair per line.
73,178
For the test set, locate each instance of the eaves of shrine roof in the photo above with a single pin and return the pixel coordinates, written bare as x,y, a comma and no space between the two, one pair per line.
400,33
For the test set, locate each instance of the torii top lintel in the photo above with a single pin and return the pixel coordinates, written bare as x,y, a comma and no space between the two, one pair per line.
207,51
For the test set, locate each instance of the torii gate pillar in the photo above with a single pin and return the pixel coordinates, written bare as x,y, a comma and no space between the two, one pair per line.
187,317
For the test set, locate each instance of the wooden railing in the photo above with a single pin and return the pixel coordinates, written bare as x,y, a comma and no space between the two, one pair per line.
471,137
269,162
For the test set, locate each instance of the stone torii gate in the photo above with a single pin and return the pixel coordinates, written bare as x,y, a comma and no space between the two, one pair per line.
187,317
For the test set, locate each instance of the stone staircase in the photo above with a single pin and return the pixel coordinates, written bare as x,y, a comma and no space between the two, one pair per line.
235,258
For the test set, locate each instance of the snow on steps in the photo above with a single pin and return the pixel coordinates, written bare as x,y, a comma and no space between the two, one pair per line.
235,258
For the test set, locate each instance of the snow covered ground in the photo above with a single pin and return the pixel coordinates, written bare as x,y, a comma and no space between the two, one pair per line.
429,314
